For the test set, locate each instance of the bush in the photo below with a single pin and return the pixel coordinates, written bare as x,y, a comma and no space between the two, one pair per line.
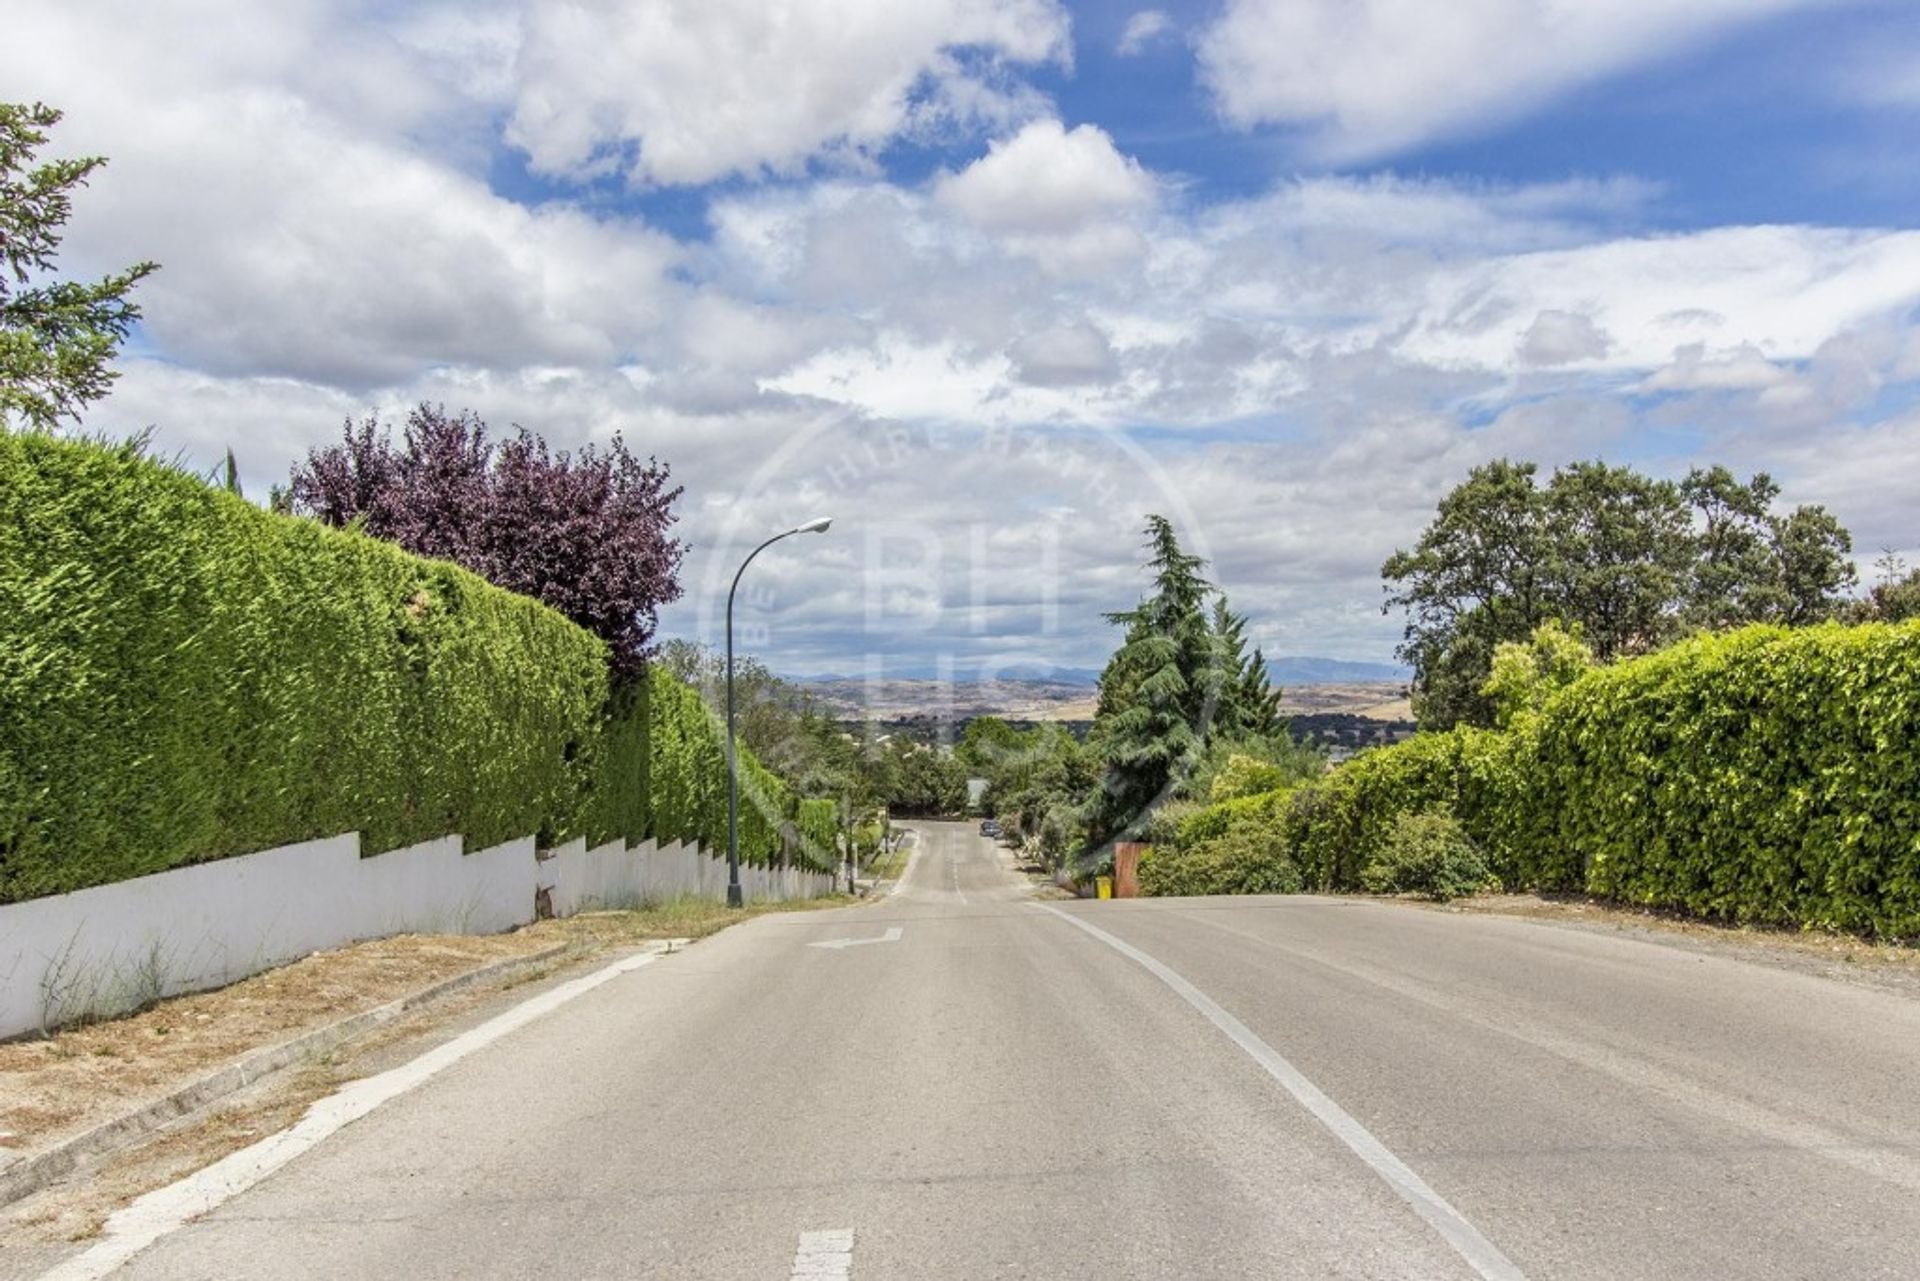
1429,855
818,821
1194,826
184,677
1338,825
1250,856
1764,775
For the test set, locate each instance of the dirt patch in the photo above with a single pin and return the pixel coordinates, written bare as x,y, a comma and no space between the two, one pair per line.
1893,966
84,1075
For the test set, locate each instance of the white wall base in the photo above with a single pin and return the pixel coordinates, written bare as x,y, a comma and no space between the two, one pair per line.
111,948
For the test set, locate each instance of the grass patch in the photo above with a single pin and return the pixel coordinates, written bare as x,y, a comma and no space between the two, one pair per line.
891,865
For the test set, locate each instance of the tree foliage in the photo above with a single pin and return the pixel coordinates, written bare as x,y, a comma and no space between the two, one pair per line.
1182,681
587,533
1633,562
1527,673
1895,597
56,336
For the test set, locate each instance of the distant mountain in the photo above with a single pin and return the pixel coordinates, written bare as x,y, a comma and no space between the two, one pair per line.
1300,670
964,673
1288,671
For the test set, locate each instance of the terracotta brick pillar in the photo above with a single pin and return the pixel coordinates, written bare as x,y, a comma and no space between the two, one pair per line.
1126,869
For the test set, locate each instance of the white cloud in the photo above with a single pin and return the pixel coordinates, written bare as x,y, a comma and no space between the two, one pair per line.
1143,29
686,91
1065,356
1047,179
1742,369
299,232
318,198
1367,77
1562,338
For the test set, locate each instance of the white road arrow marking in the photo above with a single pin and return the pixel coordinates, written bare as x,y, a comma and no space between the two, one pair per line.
891,936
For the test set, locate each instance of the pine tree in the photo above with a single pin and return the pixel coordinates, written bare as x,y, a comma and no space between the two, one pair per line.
1246,705
56,336
1154,692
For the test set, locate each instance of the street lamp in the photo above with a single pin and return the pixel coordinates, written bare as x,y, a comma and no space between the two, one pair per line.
818,525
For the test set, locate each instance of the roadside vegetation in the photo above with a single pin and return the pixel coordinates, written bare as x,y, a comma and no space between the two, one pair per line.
443,633
1656,694
1764,775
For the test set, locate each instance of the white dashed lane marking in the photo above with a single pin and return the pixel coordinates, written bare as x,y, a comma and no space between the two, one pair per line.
824,1256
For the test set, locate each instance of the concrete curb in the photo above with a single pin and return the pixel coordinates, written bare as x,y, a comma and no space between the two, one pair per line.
33,1173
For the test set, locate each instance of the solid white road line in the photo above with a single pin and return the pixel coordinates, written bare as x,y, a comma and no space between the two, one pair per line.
1481,1254
167,1209
824,1256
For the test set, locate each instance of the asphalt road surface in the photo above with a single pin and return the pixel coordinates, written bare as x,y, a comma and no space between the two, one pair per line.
1201,1088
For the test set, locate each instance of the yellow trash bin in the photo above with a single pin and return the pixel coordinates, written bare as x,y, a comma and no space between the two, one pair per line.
1103,886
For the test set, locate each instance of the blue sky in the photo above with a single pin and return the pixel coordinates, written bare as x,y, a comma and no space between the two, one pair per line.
993,278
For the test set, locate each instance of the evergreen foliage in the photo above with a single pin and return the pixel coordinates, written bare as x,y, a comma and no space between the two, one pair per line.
56,336
1767,774
1181,679
1428,855
184,677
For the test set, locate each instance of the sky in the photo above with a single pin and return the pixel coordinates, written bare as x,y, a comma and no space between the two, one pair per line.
987,281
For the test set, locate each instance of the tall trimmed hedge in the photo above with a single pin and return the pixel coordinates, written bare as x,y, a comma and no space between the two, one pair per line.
818,821
1766,774
184,677
687,757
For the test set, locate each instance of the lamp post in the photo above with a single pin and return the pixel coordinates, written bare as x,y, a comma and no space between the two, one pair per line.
735,898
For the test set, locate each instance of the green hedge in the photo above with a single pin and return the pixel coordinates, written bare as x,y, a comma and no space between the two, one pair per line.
1765,775
1337,826
687,760
184,677
818,821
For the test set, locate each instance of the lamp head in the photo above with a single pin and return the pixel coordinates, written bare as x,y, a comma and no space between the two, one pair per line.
818,525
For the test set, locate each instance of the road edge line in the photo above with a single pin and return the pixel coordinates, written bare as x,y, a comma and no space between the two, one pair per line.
1467,1241
164,1210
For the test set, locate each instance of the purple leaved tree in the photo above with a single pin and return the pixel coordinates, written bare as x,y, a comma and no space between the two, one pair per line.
587,532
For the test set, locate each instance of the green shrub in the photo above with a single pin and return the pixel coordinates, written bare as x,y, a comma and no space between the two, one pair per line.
687,784
1250,856
1429,855
1339,824
184,677
1194,826
1764,774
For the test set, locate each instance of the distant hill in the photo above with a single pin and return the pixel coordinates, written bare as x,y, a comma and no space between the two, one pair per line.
1291,670
1332,671
967,672
1035,692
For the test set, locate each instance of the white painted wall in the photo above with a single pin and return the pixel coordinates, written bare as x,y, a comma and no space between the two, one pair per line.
109,948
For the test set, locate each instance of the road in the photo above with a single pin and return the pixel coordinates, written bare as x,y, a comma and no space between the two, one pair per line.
1259,1088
